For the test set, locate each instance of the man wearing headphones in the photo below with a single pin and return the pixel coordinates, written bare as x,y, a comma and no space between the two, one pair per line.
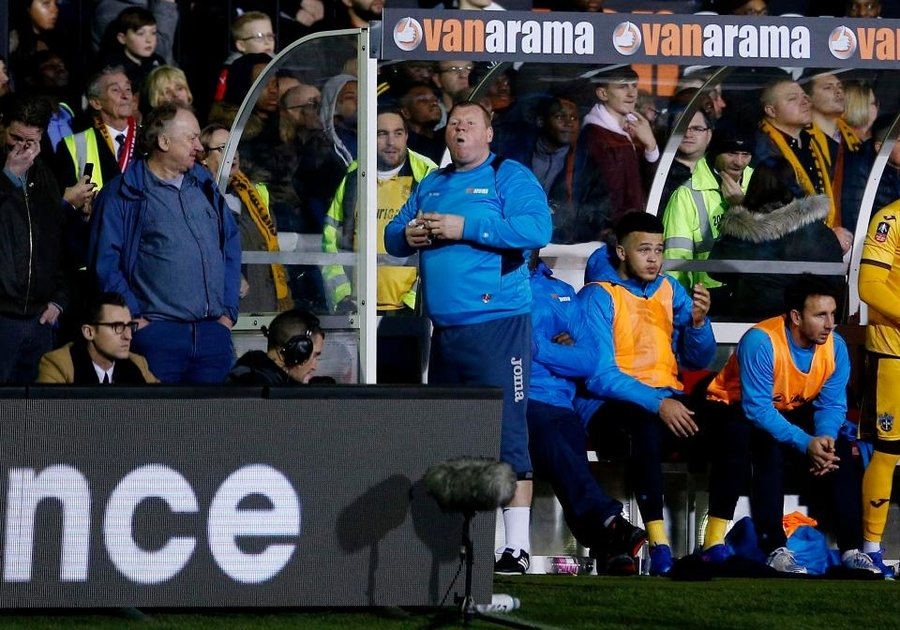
295,344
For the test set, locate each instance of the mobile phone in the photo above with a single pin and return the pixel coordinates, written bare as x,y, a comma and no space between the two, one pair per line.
88,170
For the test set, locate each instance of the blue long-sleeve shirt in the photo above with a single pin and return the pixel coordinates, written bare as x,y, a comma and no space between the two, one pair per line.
756,359
554,366
469,281
592,323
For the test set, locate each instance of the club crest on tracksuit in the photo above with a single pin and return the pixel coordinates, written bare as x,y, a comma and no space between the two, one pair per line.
885,422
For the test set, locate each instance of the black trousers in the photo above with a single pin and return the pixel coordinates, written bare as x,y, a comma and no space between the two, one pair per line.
747,460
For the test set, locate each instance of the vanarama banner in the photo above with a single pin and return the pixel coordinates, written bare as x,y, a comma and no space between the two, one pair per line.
639,38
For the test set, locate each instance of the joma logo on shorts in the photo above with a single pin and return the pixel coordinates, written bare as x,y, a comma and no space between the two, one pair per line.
518,379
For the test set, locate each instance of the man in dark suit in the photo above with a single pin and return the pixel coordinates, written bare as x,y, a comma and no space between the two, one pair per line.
103,354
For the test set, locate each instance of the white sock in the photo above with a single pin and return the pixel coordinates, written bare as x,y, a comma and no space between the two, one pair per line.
516,522
871,547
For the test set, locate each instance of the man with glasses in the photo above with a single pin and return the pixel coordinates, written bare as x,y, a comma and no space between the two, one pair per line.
719,181
32,288
103,354
251,33
452,79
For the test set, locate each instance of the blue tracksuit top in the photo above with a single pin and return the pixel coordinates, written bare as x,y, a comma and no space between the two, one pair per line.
756,359
554,366
592,322
505,212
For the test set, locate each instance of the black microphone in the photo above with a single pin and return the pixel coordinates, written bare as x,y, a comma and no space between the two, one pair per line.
470,484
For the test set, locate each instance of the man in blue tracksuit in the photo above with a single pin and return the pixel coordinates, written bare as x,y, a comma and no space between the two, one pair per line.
642,324
556,437
471,223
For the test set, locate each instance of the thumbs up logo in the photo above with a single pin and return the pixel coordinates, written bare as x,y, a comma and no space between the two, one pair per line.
627,38
842,42
408,34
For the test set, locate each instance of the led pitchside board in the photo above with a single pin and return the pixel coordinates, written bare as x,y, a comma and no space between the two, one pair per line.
282,501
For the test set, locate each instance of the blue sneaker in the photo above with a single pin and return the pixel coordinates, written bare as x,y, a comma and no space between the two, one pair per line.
878,560
661,560
717,554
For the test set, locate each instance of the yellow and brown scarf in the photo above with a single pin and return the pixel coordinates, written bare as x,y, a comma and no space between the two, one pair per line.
246,192
822,161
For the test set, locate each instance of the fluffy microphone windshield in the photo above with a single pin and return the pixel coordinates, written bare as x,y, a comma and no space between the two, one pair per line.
470,484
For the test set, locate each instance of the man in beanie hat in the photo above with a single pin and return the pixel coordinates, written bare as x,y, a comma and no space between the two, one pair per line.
691,219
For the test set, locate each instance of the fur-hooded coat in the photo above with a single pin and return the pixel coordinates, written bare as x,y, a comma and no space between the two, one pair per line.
793,232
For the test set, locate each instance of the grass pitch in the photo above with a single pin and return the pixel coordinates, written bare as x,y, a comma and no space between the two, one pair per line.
560,601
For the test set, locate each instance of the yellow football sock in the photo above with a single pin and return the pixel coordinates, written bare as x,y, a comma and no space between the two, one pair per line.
715,532
656,533
876,491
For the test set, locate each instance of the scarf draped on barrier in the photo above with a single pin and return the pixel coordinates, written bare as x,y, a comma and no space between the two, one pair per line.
246,192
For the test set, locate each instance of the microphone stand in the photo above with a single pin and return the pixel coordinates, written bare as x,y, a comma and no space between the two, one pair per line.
469,609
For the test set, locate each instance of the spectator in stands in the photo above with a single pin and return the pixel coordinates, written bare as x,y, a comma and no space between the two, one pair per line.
33,28
264,288
165,84
32,288
102,355
552,161
451,77
399,173
165,14
847,160
251,33
5,87
475,286
618,143
338,114
556,438
358,13
691,218
863,9
108,145
179,272
860,108
299,18
294,346
878,288
421,109
737,7
635,387
134,46
783,396
889,186
692,147
48,77
771,225
787,114
402,75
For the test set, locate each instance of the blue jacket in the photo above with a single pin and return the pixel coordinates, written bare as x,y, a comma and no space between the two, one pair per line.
592,322
554,366
483,276
116,226
756,360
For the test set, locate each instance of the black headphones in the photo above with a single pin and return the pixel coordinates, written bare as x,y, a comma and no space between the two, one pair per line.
298,349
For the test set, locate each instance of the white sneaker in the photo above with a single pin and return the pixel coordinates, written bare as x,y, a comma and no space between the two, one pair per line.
856,559
783,560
